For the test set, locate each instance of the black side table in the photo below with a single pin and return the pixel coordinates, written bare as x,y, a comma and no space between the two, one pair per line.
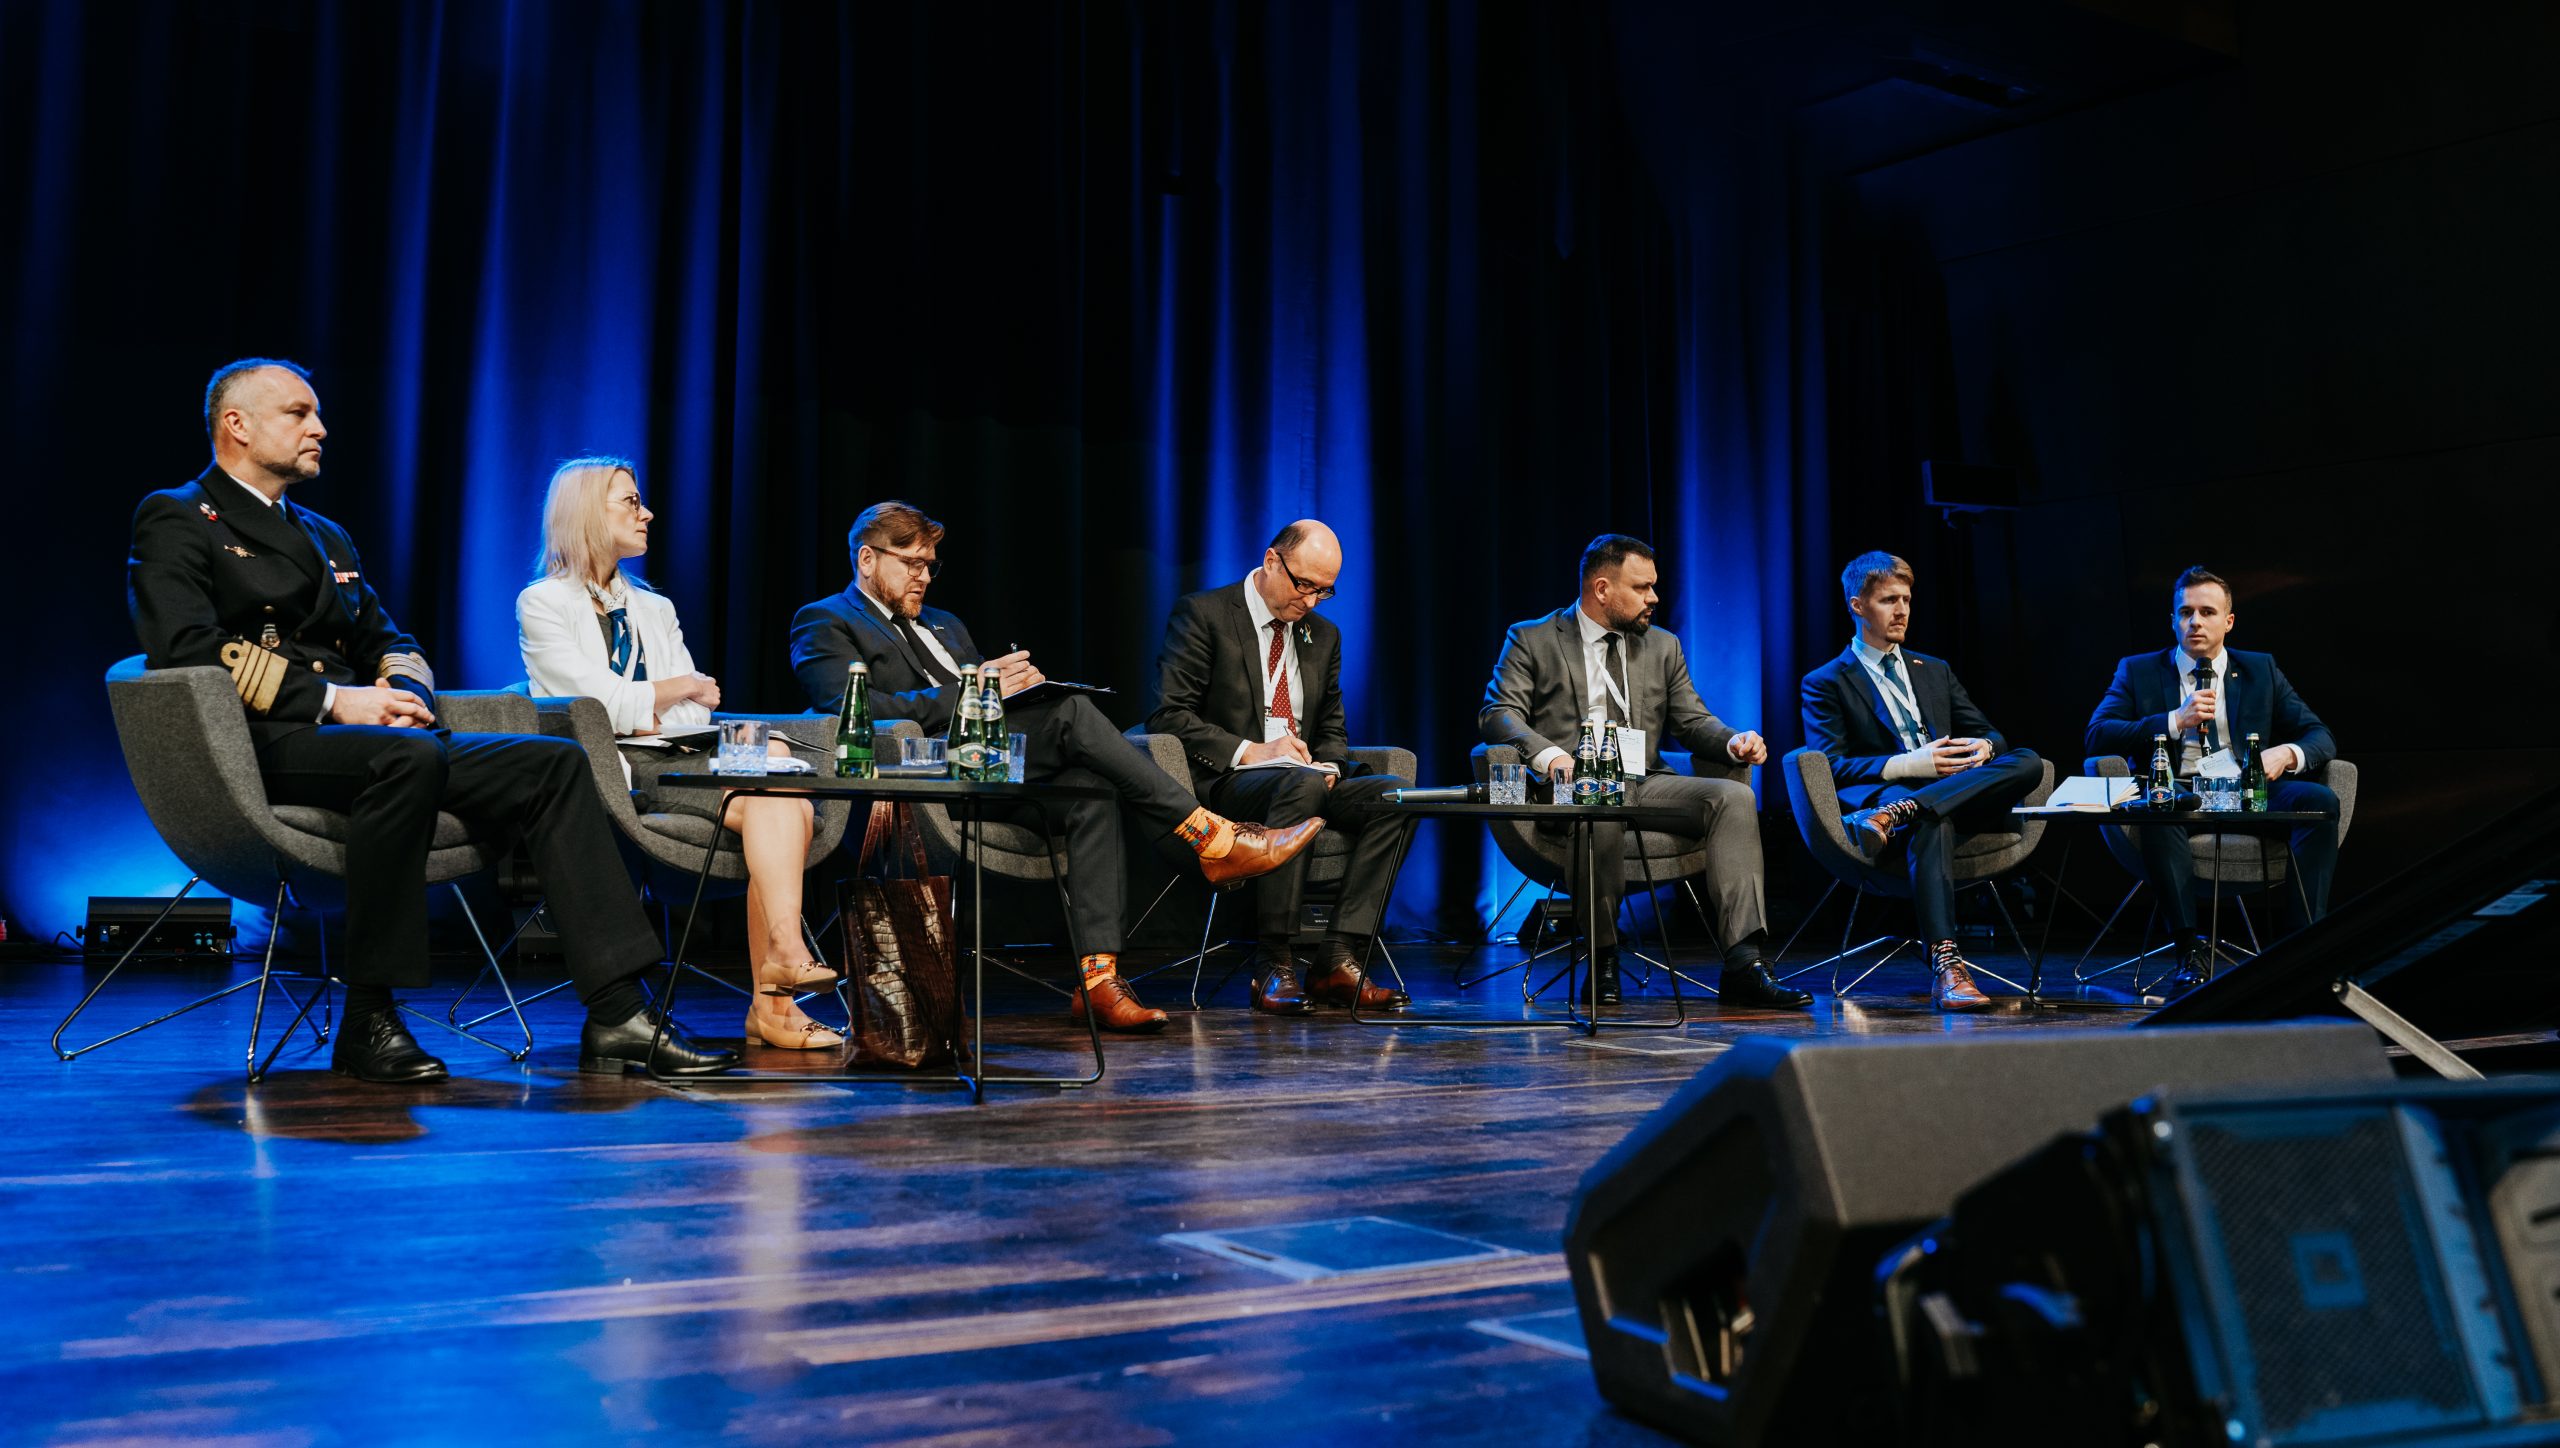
2215,822
1583,817
968,802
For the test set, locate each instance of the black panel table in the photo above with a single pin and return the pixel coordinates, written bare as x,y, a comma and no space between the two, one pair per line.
2216,822
969,803
1660,818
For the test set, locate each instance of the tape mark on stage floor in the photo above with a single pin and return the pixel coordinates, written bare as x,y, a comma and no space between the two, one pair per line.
877,1342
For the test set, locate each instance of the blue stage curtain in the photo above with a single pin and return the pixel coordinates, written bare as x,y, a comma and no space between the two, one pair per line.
1112,289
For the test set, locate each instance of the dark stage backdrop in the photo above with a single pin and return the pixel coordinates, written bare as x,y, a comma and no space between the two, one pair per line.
1117,288
1112,289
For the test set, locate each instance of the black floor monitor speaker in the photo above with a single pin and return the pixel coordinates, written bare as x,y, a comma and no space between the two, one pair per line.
1723,1254
2351,1268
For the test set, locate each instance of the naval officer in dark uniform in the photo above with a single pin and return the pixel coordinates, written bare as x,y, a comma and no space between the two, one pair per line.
342,711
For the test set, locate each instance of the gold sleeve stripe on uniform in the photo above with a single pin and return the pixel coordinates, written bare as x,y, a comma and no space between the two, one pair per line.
411,666
255,672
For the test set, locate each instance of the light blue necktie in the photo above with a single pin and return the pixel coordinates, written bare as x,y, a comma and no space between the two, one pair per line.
1913,735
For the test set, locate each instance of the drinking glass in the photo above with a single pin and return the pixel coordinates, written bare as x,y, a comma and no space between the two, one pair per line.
743,747
924,756
1509,784
1013,757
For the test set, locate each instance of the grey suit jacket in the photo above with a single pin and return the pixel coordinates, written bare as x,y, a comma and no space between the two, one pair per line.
1536,697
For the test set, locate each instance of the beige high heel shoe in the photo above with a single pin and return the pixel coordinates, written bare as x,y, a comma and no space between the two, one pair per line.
797,1032
799,975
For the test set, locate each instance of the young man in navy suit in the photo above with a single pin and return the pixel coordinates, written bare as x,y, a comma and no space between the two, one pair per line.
1913,758
2206,698
915,655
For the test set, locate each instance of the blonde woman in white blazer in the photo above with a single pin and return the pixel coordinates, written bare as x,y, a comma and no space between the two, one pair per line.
587,626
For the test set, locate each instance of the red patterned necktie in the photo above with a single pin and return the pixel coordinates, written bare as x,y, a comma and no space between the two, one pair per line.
1279,678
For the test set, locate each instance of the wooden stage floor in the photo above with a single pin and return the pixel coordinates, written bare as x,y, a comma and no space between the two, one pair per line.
524,1254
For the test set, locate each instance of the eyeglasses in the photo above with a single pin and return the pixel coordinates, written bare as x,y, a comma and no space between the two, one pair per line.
632,502
1316,591
930,567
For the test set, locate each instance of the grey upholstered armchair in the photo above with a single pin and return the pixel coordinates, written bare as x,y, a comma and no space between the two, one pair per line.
186,745
1328,859
1653,858
665,851
1980,859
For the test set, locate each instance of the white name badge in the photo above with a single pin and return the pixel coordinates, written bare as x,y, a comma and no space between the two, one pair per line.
1631,755
1274,729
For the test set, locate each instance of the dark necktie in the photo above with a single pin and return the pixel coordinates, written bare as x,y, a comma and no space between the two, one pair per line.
1282,707
924,656
2206,732
1914,735
1617,666
621,641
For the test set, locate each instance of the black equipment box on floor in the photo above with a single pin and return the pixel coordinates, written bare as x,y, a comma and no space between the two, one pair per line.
194,927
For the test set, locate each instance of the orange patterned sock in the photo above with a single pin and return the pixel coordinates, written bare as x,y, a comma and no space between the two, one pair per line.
1208,836
1100,965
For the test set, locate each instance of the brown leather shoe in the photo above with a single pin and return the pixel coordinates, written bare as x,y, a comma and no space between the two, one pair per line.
1258,850
1117,1008
1276,991
1951,986
1873,829
1338,981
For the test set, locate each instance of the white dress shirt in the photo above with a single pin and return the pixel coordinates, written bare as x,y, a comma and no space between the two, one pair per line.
932,644
2191,743
1260,613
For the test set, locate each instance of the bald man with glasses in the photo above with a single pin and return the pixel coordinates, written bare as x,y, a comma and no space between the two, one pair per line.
1250,680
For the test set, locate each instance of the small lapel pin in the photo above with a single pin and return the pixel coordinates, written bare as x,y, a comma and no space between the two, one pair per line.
1306,635
210,516
236,548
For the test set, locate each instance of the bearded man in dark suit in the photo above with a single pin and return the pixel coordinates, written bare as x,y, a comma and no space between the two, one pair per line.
341,710
915,655
1250,680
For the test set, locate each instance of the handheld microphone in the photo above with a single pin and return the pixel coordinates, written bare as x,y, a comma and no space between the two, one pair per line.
1440,794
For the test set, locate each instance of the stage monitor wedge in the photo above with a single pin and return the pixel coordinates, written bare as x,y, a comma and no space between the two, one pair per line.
2369,1267
2458,945
1723,1253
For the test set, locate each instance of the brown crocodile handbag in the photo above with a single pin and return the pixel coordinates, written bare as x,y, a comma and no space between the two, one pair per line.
898,950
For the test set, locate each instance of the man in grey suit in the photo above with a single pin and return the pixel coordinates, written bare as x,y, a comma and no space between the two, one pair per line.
1600,658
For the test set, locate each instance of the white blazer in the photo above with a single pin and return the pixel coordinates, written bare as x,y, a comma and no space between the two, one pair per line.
564,653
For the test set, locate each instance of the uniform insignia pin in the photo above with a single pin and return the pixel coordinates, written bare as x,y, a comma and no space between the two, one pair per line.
210,516
236,548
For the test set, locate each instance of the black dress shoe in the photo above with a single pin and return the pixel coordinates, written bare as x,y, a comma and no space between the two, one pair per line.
376,1047
1752,985
1605,972
2195,967
626,1047
1276,991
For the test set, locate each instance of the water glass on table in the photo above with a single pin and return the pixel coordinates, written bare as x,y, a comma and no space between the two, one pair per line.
743,747
2221,793
1013,757
1507,784
925,757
